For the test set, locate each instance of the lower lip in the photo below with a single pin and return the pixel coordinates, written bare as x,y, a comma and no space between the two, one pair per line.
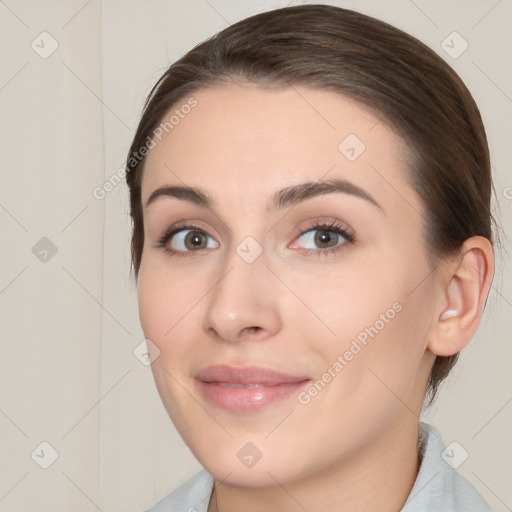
248,399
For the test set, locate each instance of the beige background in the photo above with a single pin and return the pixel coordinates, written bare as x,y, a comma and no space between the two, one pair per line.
69,324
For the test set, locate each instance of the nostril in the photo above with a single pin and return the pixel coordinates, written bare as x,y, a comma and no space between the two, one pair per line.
253,329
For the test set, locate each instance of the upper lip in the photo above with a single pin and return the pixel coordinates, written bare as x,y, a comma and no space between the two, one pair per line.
247,375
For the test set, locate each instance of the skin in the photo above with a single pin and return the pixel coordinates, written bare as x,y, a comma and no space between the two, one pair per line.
353,446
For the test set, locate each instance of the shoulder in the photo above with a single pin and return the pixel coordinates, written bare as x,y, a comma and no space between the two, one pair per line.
191,496
438,485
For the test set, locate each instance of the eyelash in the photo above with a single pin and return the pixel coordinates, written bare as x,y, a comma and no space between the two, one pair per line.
331,226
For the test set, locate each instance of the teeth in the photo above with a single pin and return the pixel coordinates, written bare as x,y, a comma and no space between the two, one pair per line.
236,385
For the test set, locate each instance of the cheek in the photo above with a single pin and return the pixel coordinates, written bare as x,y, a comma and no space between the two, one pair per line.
152,301
370,323
166,308
163,301
347,304
170,316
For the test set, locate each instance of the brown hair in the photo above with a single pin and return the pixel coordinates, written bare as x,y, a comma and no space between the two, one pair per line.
411,88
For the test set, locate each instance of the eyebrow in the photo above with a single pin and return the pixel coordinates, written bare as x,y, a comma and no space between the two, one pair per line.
288,196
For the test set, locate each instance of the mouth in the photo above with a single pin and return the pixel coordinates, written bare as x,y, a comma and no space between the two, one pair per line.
247,389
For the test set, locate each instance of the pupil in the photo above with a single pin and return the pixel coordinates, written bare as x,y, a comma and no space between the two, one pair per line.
324,237
195,238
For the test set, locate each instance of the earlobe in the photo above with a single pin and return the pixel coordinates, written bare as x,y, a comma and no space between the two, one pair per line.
465,285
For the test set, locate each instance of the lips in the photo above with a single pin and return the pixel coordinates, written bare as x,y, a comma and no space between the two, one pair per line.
247,389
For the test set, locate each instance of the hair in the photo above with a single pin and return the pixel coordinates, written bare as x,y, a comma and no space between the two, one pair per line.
411,88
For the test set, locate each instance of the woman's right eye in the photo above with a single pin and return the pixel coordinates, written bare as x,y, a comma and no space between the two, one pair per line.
183,240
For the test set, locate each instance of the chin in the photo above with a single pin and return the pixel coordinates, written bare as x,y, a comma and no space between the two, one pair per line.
240,463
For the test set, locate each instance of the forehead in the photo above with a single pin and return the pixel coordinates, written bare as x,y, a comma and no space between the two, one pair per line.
246,141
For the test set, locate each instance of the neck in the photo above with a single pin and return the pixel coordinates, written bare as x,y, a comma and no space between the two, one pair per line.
380,477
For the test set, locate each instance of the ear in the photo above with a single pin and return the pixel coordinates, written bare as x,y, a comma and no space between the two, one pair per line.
465,284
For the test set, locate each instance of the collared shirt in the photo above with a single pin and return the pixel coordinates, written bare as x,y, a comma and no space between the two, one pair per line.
438,486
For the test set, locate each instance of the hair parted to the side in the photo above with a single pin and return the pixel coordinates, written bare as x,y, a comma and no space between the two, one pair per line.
411,89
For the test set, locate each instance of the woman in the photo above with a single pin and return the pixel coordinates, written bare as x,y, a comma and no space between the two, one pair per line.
312,241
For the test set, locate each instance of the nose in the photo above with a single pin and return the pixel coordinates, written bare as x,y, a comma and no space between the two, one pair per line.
243,304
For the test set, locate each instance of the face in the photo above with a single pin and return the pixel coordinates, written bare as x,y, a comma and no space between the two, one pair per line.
292,326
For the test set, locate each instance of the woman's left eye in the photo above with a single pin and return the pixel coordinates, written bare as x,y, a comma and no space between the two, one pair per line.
326,237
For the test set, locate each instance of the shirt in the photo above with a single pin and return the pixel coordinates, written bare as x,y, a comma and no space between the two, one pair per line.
438,486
